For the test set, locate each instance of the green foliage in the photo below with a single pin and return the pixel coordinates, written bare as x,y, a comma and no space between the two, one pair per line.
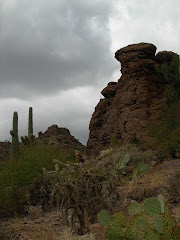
166,129
15,138
148,224
19,178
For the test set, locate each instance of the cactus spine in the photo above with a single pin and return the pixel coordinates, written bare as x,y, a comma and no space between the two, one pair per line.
30,123
15,138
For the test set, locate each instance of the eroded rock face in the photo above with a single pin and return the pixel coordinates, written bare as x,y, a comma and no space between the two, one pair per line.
134,99
59,138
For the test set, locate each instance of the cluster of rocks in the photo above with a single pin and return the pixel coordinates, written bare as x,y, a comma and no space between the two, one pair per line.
130,102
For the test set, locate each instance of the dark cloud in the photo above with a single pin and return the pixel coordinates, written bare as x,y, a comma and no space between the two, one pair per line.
48,46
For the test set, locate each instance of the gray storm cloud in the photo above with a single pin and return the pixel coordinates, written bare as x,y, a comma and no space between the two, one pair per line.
47,46
57,56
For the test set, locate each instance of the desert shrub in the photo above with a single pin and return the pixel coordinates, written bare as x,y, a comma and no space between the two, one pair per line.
165,130
20,179
136,152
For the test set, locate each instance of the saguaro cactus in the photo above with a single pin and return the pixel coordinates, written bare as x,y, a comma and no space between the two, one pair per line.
30,123
15,138
28,140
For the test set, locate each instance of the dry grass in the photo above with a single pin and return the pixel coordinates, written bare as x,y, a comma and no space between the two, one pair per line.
39,233
146,185
98,231
44,228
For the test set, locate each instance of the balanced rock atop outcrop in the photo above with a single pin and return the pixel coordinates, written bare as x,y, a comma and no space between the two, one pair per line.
134,99
59,138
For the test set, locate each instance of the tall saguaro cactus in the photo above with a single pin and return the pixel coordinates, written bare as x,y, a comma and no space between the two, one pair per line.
15,138
30,123
30,139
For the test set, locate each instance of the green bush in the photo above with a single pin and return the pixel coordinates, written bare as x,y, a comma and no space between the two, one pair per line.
19,178
165,130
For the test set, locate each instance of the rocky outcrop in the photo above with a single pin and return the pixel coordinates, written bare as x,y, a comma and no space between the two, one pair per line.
130,102
59,138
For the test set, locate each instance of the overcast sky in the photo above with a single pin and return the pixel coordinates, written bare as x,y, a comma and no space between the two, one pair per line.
58,55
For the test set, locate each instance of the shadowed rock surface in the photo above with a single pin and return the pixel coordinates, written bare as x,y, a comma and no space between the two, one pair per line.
134,99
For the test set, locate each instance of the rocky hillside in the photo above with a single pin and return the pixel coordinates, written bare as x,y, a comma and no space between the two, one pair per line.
60,138
128,103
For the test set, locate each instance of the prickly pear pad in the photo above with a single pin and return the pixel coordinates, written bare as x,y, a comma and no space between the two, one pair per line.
115,232
134,208
158,223
104,218
120,219
152,206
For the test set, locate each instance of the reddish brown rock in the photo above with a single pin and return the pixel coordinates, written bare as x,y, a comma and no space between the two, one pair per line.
110,90
59,138
134,99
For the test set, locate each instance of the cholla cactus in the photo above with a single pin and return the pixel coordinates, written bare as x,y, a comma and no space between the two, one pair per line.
15,138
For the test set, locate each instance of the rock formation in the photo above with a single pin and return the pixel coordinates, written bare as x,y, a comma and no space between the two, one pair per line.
59,138
130,102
